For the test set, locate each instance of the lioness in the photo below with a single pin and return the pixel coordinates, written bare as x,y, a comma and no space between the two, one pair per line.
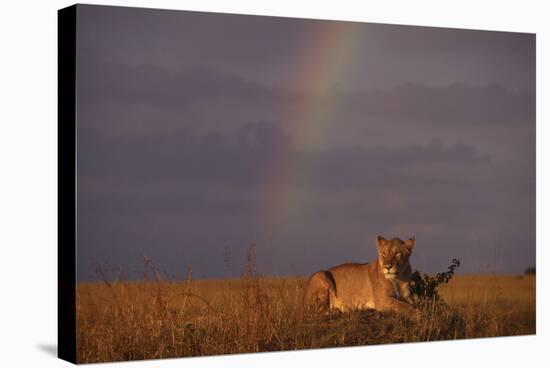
381,285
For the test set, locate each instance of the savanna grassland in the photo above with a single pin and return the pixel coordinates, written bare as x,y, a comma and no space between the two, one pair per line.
126,320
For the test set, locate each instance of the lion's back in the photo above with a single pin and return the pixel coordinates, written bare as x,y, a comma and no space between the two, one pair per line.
354,283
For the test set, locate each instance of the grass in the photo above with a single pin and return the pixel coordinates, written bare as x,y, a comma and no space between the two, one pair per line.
160,319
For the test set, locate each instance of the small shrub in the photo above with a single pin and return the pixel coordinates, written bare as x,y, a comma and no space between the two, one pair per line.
530,270
424,287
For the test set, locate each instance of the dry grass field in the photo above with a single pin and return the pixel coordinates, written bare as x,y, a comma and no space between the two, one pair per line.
161,319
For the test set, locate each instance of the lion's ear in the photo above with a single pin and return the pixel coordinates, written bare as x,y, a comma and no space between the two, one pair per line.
380,241
409,244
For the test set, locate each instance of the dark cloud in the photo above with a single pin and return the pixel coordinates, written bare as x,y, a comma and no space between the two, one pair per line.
155,86
274,49
264,136
213,183
240,160
164,36
455,103
247,157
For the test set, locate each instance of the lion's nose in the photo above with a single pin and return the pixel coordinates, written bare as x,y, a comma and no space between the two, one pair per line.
388,267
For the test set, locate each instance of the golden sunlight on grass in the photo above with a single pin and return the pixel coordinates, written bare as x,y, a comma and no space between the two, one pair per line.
160,319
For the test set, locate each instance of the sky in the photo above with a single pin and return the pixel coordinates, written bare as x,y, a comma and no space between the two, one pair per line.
200,134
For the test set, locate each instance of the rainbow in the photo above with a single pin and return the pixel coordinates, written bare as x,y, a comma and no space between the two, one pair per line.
328,55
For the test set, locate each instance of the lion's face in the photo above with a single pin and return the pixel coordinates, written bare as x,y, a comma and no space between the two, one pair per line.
393,255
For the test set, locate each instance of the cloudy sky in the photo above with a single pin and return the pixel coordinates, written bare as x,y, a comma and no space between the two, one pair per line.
201,133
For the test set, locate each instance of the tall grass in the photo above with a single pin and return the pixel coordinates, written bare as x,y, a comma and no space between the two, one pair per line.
157,318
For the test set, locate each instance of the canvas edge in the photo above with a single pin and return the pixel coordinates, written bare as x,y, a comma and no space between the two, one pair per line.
66,187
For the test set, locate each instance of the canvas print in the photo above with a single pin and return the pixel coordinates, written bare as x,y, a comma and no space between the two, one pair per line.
246,184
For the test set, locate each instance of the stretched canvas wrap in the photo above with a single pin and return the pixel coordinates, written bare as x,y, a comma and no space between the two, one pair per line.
237,184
